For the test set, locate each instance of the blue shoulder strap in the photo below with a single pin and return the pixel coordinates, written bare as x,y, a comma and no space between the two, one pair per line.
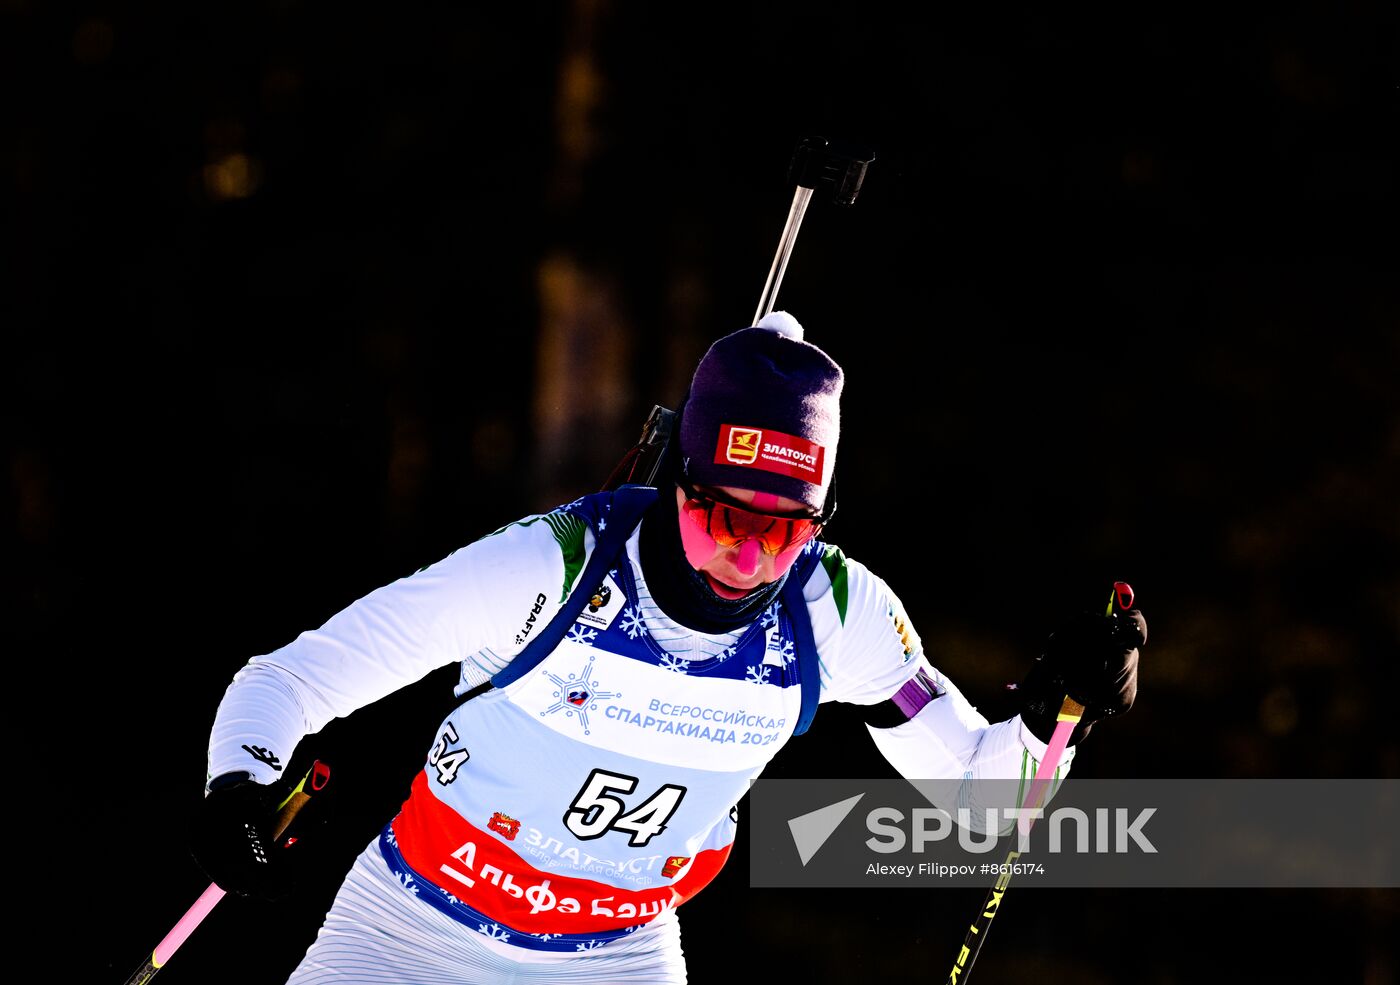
628,504
808,666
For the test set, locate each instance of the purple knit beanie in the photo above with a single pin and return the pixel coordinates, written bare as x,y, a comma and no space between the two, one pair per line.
764,413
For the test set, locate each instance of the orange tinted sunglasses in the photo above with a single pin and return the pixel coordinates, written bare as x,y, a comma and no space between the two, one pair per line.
730,525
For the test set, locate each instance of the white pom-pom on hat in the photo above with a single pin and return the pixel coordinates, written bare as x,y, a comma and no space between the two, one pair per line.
782,323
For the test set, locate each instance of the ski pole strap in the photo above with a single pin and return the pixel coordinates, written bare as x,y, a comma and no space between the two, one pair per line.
628,504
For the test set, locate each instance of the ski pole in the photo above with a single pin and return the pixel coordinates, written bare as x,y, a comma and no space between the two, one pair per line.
318,775
1070,713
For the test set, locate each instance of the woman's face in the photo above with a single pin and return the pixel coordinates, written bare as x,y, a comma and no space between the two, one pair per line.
733,572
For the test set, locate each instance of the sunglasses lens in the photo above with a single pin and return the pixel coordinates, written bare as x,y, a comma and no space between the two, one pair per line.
731,526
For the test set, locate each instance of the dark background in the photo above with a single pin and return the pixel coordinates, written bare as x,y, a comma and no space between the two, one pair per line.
304,297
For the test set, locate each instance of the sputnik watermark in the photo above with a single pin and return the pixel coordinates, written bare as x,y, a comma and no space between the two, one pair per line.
1212,833
980,831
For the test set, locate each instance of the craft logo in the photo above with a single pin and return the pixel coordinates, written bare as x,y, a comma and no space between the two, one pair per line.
577,697
742,447
504,824
674,864
540,600
264,756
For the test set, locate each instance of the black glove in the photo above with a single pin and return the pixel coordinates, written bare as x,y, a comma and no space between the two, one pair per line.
1094,660
231,838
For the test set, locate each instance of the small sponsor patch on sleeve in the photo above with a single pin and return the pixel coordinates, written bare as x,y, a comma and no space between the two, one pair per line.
905,630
